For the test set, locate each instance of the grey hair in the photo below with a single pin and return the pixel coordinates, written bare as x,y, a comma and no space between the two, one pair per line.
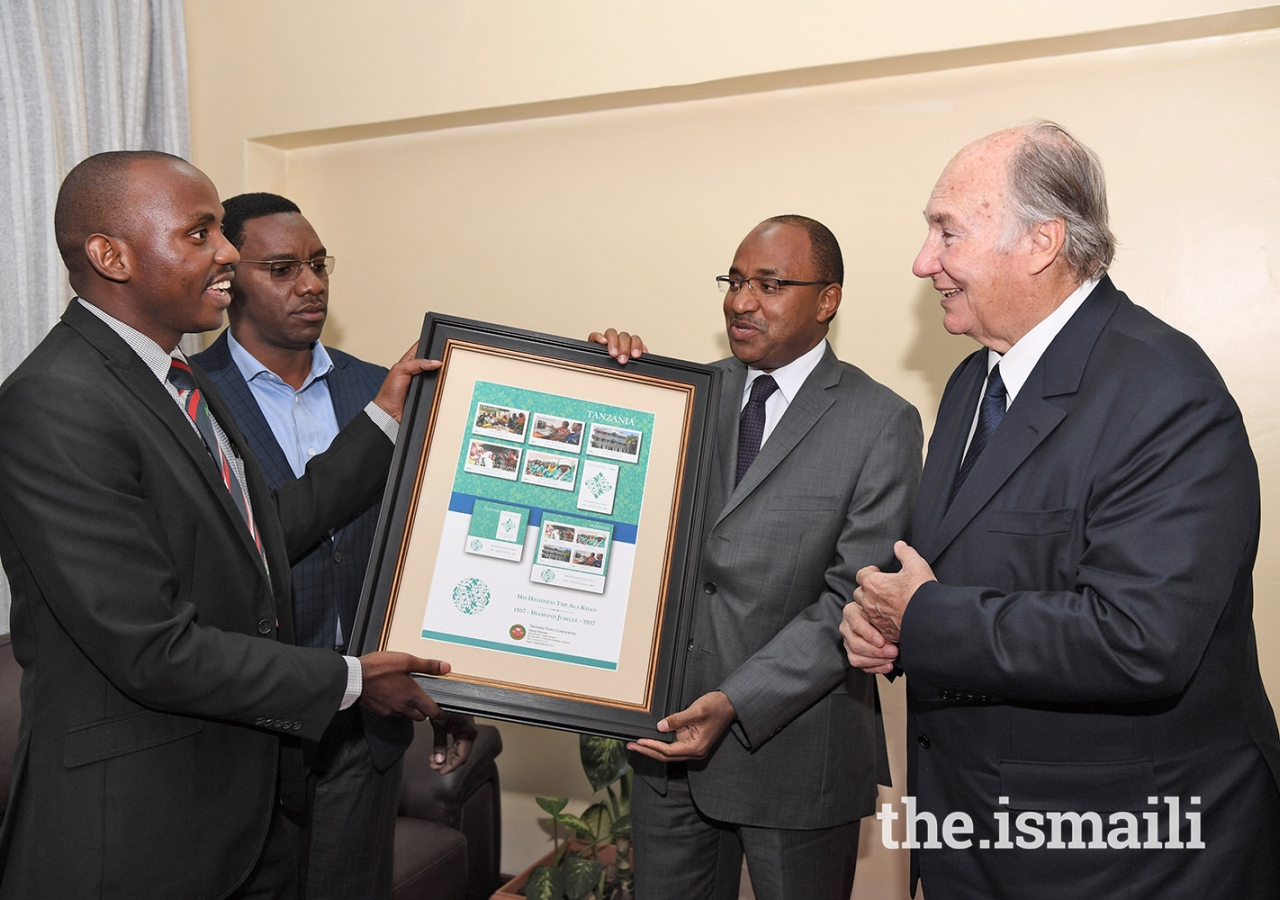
1054,176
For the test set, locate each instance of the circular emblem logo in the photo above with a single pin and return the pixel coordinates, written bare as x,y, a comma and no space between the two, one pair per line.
517,632
476,545
548,575
470,596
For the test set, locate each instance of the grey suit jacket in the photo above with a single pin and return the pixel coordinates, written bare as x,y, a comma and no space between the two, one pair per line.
1089,643
160,696
829,493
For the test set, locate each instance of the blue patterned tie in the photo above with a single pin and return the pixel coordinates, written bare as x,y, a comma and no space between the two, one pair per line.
751,424
990,412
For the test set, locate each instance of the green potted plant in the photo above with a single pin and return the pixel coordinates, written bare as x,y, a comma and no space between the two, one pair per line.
597,866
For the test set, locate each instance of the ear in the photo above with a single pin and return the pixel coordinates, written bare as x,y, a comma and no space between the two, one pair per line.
109,256
1047,239
828,303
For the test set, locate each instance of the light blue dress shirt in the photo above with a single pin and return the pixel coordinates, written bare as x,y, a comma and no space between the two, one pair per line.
303,421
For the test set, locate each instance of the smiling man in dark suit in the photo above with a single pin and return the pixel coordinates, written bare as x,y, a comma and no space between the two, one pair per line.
777,752
162,703
1075,617
291,395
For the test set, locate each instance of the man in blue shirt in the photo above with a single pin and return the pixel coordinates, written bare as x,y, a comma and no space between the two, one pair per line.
291,395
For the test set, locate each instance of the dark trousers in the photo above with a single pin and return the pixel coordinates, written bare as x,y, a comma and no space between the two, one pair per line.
353,816
679,852
277,875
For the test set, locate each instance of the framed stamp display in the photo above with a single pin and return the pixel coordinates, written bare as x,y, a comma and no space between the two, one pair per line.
540,527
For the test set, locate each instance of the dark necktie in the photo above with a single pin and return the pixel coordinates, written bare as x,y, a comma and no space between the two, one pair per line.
751,424
193,403
990,412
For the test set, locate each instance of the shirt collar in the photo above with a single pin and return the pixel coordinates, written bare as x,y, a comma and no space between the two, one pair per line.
1016,365
791,377
250,368
157,358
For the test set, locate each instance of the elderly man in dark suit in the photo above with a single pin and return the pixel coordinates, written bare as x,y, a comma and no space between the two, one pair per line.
1075,617
162,704
290,395
815,468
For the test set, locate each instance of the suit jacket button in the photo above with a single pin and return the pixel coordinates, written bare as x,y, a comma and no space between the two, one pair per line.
264,627
709,587
690,646
337,556
923,740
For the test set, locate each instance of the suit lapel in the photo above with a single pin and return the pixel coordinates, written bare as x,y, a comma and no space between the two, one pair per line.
346,402
1031,418
142,383
803,412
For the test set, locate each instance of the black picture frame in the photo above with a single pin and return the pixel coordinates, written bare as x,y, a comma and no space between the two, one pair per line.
415,544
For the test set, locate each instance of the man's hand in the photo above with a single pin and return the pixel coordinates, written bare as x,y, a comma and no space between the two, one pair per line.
622,346
389,688
866,648
395,387
454,736
697,729
884,597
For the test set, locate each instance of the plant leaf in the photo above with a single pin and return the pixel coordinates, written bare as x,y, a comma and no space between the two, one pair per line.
580,828
553,805
599,818
621,825
581,876
545,883
604,760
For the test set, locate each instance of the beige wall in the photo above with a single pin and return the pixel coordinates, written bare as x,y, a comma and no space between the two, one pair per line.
559,167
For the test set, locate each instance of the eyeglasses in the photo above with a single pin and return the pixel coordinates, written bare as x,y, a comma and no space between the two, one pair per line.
766,287
290,269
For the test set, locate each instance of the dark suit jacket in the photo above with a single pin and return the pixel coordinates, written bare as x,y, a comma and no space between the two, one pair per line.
1090,643
829,493
327,580
158,687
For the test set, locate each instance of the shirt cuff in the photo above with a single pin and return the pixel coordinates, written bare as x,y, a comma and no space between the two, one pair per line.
355,682
390,427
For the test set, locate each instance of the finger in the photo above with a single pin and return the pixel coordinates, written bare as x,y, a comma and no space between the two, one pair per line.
866,631
440,741
864,572
422,666
650,748
596,337
906,554
623,346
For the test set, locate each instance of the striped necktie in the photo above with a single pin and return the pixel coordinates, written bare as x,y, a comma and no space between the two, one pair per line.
192,401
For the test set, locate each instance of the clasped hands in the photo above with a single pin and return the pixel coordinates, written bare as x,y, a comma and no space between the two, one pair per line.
873,621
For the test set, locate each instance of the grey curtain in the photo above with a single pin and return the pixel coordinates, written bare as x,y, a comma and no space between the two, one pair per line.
76,77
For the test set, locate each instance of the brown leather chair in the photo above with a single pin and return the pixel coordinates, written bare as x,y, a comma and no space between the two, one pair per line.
448,841
449,833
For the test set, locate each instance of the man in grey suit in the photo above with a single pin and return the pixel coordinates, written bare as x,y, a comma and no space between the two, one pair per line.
1075,619
777,752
